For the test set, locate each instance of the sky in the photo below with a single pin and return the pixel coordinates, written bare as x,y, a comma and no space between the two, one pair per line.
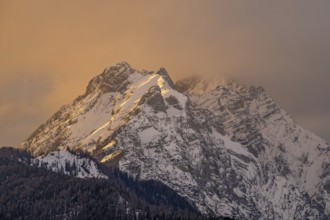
49,50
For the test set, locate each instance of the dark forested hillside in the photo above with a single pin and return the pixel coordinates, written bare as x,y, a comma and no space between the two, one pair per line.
32,193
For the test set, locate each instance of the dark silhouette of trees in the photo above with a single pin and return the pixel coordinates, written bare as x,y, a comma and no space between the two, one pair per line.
34,193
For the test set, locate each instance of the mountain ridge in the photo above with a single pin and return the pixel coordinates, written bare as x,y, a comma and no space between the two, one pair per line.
227,148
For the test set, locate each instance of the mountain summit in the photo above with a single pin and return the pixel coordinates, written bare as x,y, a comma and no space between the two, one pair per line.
227,148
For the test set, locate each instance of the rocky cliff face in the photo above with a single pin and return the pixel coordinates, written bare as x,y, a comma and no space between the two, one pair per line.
228,148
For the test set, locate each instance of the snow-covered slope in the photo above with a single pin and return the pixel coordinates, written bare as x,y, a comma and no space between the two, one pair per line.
69,164
228,148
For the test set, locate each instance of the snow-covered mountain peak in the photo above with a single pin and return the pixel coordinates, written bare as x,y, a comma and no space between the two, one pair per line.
117,78
226,147
112,98
112,79
123,64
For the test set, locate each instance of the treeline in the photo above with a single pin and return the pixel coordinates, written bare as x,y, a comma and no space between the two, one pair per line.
32,193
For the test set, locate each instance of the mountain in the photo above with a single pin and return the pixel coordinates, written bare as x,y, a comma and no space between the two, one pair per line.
227,148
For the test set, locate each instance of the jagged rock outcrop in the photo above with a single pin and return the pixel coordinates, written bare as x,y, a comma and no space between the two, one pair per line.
228,148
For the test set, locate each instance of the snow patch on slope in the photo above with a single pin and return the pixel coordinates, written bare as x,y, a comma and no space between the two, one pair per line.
69,164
